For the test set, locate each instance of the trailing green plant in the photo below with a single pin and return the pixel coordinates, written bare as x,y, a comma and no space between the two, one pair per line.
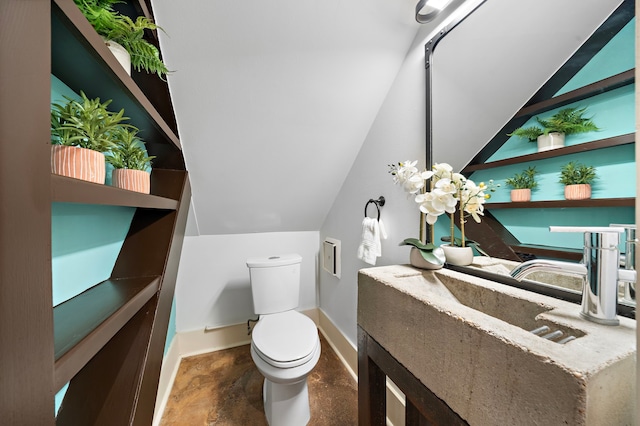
568,121
125,31
129,151
574,173
524,180
85,123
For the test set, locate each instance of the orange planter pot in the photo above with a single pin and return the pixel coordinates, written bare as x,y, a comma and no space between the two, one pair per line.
577,192
519,195
78,163
132,180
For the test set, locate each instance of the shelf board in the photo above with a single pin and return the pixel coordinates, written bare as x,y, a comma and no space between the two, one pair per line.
82,61
69,190
611,83
626,139
85,323
549,252
558,204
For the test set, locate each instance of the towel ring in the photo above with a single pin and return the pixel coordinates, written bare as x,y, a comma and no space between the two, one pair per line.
379,203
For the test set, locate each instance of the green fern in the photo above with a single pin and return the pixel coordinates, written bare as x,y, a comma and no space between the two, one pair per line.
129,33
568,121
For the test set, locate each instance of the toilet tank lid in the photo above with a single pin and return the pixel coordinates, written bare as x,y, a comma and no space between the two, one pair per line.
271,261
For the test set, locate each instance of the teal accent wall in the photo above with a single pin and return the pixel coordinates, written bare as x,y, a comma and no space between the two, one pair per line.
611,60
614,113
171,331
85,243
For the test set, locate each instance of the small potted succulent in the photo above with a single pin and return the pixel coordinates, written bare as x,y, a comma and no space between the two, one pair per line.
567,121
81,131
124,36
131,162
522,184
577,179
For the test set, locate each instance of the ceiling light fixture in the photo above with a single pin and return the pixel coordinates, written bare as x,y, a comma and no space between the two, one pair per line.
427,10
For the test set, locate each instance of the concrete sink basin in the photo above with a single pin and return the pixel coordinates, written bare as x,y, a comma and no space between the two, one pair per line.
469,341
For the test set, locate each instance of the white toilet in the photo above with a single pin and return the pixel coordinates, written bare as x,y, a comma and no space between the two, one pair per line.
284,343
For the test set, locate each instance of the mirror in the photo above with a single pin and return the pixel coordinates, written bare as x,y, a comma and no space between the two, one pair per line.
506,56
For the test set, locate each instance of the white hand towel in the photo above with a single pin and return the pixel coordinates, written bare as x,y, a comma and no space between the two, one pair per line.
370,248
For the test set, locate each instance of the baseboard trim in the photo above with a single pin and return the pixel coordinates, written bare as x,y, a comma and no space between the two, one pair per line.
200,341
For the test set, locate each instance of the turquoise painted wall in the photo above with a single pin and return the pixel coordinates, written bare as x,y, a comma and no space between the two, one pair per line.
614,113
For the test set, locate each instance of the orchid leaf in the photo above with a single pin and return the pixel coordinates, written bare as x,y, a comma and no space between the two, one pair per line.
418,244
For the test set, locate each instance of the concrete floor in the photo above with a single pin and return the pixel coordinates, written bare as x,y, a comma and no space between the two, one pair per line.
225,388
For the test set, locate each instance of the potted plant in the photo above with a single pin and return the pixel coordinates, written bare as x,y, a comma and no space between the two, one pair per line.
124,36
522,184
567,121
130,161
577,179
448,191
81,131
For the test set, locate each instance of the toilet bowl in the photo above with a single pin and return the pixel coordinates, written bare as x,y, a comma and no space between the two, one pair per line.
285,347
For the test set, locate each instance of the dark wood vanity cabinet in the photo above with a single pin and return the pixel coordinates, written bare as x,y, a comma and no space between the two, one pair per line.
108,341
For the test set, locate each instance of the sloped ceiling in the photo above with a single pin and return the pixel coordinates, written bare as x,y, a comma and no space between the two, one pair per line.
274,99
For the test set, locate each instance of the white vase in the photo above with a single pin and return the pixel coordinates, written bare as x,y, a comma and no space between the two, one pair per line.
416,259
461,256
121,54
551,141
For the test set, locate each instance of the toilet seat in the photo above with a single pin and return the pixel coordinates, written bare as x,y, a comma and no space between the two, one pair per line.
286,339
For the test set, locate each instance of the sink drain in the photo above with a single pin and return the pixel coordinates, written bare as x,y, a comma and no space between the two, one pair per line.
546,333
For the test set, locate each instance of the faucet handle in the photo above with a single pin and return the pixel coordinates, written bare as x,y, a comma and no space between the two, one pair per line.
618,229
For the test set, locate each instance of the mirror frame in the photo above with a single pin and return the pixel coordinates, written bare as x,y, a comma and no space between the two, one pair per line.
620,17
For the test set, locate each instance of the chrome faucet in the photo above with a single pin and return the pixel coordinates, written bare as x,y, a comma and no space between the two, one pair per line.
599,269
629,260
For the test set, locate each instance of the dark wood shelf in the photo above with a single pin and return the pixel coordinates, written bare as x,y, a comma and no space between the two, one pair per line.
549,252
602,86
626,139
558,204
85,323
69,190
83,62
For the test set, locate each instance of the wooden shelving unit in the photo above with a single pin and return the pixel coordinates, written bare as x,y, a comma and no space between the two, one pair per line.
561,204
629,138
107,342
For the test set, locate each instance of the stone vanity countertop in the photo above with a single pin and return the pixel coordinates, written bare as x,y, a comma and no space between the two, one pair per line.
489,370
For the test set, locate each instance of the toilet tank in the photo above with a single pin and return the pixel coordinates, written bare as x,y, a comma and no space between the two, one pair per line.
275,283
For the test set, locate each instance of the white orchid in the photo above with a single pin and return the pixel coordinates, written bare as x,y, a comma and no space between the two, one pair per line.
472,198
448,190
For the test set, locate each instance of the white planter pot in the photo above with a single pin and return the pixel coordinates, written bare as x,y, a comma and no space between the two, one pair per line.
550,141
416,259
121,55
461,256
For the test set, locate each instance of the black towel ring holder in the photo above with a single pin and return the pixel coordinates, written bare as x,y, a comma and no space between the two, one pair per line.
379,203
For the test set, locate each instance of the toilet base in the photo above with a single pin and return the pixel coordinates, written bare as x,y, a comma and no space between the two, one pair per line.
286,405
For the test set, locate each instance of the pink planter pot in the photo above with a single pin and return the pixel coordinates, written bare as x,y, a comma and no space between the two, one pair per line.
132,180
78,163
580,191
519,195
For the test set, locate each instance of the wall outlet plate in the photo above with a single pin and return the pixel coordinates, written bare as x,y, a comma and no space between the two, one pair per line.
331,256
